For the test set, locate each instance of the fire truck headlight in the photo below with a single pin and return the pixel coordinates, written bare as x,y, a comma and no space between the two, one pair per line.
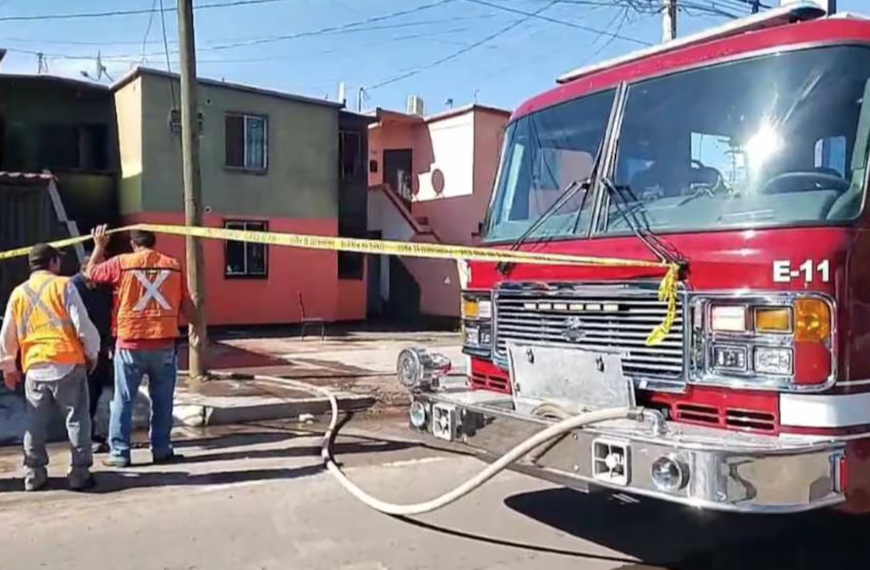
784,341
669,474
417,414
477,322
728,318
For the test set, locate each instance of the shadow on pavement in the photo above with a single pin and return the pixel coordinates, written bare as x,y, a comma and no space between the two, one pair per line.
671,536
653,535
513,544
306,451
110,481
116,481
234,440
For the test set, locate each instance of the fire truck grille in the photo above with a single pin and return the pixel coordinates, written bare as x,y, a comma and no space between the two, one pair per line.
608,322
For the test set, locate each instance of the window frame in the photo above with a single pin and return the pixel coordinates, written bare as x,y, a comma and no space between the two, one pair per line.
246,116
358,171
261,225
616,94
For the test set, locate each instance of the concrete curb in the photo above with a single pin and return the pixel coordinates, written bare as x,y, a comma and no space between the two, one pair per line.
190,410
193,410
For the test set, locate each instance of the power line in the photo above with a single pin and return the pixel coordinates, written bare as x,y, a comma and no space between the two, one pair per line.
337,29
168,64
148,29
693,9
393,26
136,12
745,4
463,50
559,22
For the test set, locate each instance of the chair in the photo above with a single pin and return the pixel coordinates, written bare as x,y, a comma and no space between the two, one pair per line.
309,321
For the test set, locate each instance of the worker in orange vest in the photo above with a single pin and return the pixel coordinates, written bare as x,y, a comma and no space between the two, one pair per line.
46,321
150,298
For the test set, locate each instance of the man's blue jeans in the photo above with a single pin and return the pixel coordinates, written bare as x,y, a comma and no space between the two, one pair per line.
161,367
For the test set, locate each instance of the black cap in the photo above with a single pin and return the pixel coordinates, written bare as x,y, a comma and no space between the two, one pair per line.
42,254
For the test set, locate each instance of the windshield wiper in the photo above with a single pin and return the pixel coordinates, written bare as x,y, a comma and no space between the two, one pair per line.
665,253
504,267
569,192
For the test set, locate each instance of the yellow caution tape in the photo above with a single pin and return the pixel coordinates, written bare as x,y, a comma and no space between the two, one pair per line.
667,290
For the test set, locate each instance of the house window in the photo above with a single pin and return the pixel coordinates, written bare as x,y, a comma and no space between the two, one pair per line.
246,259
350,154
247,146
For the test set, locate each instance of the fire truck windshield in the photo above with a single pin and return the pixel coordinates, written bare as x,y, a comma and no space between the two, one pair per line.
768,141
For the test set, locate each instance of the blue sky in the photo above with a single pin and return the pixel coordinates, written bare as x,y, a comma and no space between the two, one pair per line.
490,50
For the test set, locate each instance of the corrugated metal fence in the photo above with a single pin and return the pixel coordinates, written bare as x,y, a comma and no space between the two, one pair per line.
27,216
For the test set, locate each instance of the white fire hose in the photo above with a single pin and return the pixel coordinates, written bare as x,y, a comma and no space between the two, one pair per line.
490,471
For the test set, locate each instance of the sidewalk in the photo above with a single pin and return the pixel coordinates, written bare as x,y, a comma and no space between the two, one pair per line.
360,367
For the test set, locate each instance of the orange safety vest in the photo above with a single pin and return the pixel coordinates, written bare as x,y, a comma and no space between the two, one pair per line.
46,334
148,300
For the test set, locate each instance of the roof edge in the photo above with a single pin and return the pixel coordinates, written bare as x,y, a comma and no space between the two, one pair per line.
381,113
139,71
777,16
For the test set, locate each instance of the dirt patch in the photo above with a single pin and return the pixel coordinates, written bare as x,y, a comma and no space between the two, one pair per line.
220,388
222,356
334,366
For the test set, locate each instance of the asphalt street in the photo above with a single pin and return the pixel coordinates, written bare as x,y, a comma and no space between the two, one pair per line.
256,498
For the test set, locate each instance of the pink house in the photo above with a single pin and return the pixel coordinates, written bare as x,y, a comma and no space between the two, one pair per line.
430,179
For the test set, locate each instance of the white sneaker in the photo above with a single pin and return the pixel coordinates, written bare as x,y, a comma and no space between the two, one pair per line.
35,479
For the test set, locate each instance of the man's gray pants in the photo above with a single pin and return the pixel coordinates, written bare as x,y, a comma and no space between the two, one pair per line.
70,395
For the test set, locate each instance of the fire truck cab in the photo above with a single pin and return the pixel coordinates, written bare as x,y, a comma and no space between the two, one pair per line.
740,153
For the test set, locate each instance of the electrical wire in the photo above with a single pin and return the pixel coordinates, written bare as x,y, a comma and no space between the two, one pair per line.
168,63
342,28
393,26
622,16
330,29
134,12
148,30
598,5
461,51
558,21
391,40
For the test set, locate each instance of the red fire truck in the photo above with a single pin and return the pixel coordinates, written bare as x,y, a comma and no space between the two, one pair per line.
741,155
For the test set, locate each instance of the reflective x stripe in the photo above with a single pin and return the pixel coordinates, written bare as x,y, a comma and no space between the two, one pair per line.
152,289
35,298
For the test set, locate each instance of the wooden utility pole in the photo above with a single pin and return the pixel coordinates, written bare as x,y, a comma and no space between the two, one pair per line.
192,186
669,20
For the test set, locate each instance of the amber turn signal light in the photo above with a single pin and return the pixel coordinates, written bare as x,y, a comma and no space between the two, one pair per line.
812,320
470,308
773,319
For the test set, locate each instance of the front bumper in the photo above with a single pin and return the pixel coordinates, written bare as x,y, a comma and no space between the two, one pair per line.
722,470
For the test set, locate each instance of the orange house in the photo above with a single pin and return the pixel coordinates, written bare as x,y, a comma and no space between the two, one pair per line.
430,179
